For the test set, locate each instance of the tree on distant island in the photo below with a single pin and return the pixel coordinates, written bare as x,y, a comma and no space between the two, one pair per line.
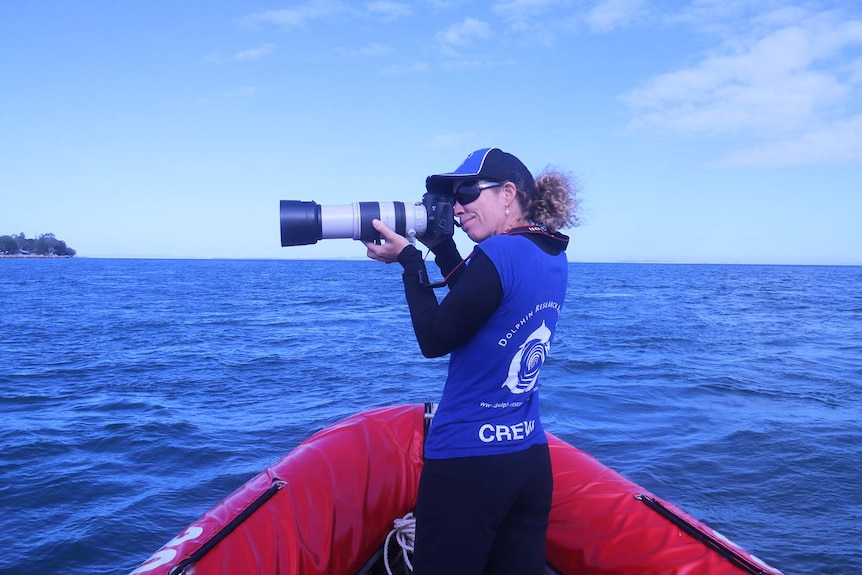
44,245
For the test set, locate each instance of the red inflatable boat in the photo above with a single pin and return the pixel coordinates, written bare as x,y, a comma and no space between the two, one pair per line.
327,507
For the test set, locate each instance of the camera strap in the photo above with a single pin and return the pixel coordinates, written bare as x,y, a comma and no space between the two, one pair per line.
423,274
556,239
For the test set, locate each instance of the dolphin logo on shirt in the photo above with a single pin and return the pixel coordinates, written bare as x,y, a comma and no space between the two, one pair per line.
528,360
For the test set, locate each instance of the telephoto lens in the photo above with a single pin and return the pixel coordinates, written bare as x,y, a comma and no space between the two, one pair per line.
304,223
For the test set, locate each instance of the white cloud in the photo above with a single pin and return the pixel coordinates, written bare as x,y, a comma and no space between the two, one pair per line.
462,35
311,10
441,5
371,50
736,21
242,92
520,12
785,85
771,86
300,14
254,53
389,10
417,68
854,70
368,51
609,15
475,64
836,144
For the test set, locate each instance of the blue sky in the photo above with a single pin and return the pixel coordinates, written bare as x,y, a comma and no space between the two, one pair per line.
714,131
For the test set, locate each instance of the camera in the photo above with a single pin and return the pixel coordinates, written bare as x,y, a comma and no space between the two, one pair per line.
304,223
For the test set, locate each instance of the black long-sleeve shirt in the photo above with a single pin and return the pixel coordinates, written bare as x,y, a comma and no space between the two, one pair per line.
475,292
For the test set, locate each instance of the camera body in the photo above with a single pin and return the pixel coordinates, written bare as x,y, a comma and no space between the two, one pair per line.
304,223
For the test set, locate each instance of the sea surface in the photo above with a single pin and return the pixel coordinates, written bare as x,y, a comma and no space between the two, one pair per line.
136,394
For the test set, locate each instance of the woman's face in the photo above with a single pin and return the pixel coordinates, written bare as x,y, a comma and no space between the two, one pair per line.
486,215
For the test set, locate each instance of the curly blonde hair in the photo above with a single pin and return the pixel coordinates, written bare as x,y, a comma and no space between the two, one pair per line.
555,204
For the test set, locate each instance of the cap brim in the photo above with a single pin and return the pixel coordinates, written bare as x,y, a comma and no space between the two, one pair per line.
443,182
469,168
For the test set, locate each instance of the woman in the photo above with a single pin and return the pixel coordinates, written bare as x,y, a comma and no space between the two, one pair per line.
485,491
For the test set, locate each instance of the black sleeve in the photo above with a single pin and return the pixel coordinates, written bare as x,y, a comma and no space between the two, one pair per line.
441,327
448,260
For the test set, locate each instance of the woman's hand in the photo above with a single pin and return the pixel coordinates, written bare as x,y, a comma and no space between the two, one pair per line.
388,250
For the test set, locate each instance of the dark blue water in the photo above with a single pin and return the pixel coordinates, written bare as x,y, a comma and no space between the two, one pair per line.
136,394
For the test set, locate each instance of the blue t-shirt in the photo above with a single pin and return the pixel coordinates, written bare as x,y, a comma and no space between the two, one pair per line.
490,404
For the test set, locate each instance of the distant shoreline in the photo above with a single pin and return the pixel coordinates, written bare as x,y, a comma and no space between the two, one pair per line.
32,256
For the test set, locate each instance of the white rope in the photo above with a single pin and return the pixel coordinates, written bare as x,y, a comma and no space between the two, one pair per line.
405,536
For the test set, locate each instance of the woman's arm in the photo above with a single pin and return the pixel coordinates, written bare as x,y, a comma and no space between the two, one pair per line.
448,260
472,297
440,328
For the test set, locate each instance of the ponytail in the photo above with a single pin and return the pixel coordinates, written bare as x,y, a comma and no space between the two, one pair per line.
555,204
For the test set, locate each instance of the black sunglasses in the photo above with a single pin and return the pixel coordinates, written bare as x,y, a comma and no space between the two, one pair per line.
469,191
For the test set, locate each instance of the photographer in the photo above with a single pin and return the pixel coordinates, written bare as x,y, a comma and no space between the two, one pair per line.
485,491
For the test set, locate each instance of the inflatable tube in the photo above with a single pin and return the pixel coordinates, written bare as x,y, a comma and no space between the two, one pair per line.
327,506
602,523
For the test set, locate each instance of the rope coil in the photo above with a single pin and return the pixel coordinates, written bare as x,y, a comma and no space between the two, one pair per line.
405,535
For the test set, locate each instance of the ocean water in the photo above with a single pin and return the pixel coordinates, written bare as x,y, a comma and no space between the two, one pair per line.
136,394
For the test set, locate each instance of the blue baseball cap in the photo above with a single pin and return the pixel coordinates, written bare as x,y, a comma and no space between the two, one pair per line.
486,164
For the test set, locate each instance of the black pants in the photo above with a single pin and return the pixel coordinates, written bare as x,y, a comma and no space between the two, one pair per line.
484,515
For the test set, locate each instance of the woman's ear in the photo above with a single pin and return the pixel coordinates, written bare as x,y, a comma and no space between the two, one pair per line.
510,192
